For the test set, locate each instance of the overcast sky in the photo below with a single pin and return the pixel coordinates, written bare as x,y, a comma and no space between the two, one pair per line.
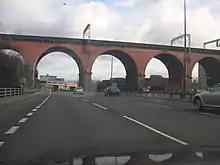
148,21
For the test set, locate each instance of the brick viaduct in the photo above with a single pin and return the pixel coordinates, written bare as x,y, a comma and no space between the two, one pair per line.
134,56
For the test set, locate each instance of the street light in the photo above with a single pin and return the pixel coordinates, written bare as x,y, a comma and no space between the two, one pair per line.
111,68
86,32
185,35
185,51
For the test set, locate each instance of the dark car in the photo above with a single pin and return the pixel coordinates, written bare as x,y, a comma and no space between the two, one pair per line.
112,91
209,98
143,91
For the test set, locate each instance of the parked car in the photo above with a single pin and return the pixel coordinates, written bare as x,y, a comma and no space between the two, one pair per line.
210,98
112,91
78,90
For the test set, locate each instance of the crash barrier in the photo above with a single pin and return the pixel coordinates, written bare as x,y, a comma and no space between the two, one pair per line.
169,95
9,92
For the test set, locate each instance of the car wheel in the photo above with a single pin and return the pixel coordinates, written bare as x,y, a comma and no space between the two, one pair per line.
198,104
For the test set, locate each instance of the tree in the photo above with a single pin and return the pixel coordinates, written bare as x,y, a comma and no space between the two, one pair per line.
10,69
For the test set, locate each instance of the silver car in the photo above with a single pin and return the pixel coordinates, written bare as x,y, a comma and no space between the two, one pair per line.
78,90
209,98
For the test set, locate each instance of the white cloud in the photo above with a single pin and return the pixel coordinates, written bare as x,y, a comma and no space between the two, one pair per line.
102,68
58,64
124,3
19,15
161,68
95,13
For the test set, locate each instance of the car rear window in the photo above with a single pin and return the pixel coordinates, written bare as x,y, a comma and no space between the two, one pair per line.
113,87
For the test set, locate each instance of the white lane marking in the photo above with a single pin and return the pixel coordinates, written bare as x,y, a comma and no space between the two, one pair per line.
156,105
76,97
158,132
30,114
99,106
210,115
1,143
23,120
34,110
85,100
12,130
37,107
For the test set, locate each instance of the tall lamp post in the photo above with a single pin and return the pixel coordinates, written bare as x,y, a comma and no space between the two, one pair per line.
185,35
111,69
185,51
87,32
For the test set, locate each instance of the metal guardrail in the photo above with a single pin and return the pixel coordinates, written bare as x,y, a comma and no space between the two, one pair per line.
169,95
8,92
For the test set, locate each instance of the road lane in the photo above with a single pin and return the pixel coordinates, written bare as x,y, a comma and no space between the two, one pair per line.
68,125
179,121
11,113
179,105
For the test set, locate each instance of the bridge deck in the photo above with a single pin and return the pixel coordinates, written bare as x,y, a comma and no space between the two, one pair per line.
46,39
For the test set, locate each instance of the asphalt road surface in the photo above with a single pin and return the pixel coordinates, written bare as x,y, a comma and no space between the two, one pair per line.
58,125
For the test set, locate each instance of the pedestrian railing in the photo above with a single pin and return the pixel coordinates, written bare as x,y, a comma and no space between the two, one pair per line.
8,92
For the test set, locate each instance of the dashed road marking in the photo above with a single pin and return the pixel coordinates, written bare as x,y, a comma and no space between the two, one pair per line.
12,130
85,100
34,110
42,103
155,105
23,120
1,143
30,114
37,107
99,106
156,131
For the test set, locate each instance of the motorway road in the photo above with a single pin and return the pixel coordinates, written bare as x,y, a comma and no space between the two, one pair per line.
61,124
